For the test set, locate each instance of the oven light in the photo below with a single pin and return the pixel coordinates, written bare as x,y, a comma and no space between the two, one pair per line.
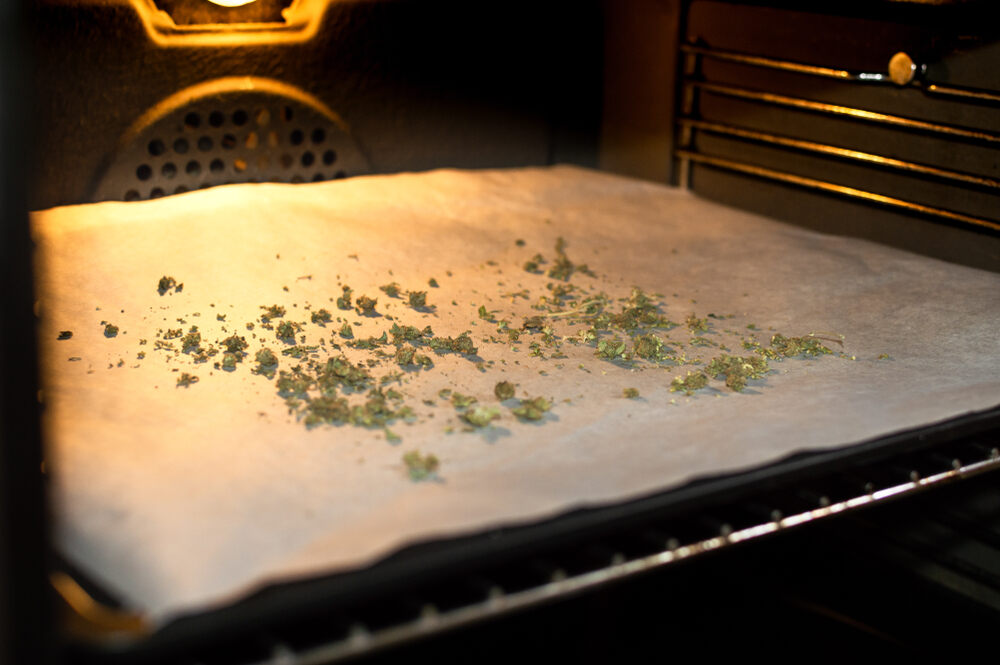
231,3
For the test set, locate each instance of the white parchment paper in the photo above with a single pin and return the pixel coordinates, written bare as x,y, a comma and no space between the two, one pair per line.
178,499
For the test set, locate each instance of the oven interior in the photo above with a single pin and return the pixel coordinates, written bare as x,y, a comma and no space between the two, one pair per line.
872,120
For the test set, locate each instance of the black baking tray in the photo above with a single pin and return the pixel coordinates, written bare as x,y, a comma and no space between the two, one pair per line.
439,563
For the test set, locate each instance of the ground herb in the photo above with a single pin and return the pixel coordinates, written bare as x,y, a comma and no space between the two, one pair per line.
648,347
562,269
110,330
321,316
696,325
173,333
235,344
420,467
286,331
532,409
461,344
481,416
461,401
418,299
690,383
165,284
533,264
612,349
486,315
186,379
737,370
370,343
404,355
267,363
229,361
272,312
344,301
392,289
191,341
630,393
346,331
408,333
65,334
504,390
798,346
299,351
366,305
433,283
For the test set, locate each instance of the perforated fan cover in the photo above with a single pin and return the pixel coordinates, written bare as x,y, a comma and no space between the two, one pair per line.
198,139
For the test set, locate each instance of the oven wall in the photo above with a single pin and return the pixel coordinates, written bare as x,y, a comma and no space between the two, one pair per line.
422,83
650,91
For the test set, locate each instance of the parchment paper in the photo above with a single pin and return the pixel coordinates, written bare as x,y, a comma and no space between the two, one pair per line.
178,499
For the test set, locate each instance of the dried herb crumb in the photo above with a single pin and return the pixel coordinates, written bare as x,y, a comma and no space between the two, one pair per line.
420,467
417,299
65,334
165,284
690,383
433,283
532,409
481,416
186,379
630,393
344,301
321,316
366,305
110,330
504,390
392,289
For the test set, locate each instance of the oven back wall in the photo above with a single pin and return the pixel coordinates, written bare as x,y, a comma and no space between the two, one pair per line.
420,84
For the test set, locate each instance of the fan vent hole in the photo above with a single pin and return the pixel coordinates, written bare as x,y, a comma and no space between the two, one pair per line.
169,170
240,117
192,120
205,143
329,157
307,159
192,168
216,166
144,172
228,142
297,137
156,147
180,146
216,118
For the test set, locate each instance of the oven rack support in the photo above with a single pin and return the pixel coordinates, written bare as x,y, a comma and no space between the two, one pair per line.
901,72
429,619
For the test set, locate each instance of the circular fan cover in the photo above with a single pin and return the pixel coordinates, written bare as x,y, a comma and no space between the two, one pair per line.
229,131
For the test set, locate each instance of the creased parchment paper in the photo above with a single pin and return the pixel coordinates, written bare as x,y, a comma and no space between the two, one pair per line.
179,499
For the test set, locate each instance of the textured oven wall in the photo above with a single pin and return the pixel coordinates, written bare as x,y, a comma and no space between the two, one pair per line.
423,84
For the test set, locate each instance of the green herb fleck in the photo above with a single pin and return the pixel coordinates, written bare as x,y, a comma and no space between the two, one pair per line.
110,330
321,316
630,393
504,390
420,467
392,289
344,301
65,334
532,409
481,416
418,299
186,379
366,305
690,383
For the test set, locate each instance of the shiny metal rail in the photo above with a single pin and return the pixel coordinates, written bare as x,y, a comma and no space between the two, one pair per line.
801,104
901,71
836,151
431,621
831,188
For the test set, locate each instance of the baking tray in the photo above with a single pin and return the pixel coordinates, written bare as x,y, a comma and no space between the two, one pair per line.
437,585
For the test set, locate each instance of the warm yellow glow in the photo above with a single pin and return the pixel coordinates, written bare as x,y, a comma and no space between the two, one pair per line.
231,3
